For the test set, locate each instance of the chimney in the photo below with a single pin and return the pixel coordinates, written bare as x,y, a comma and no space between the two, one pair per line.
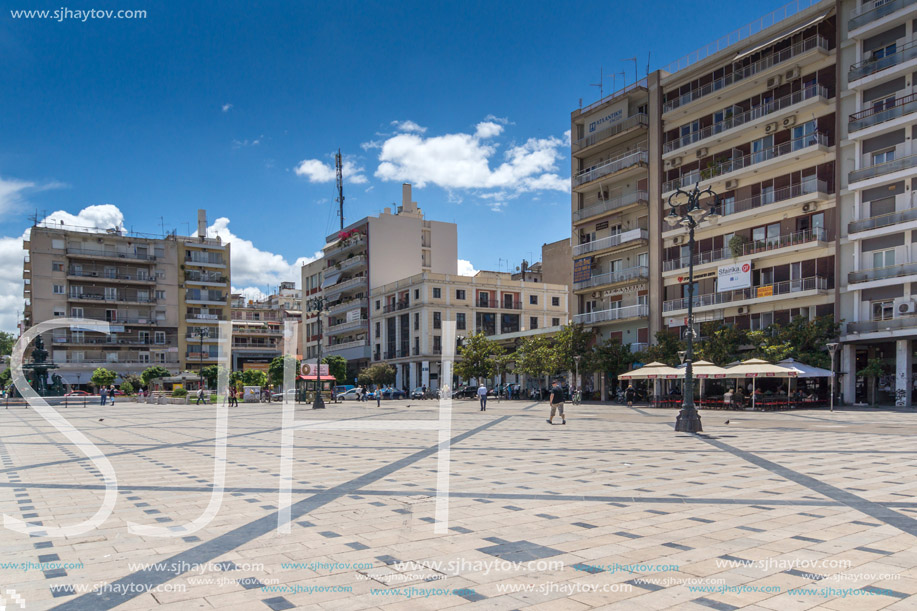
406,204
202,223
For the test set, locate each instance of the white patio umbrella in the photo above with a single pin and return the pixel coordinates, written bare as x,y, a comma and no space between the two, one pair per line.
703,370
758,368
652,371
804,371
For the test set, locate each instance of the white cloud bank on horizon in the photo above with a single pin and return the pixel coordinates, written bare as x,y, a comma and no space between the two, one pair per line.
465,268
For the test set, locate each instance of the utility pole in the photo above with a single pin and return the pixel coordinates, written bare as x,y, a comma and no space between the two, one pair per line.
318,304
339,168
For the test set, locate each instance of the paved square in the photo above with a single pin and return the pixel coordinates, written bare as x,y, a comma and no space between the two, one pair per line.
793,510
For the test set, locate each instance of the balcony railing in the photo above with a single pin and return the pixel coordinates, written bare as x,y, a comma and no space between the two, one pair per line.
347,326
780,195
394,307
204,258
881,169
511,305
99,297
349,262
345,285
874,326
612,130
883,220
622,275
710,256
871,11
609,205
109,276
883,112
216,278
111,254
350,304
106,341
209,317
610,241
745,161
882,273
345,345
636,347
345,245
134,361
745,117
869,66
814,42
612,314
611,166
787,287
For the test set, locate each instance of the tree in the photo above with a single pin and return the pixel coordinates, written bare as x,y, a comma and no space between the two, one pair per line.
665,350
378,374
874,369
477,354
253,377
536,357
801,339
211,374
337,366
572,341
5,377
612,358
103,377
722,344
7,341
275,370
127,388
153,373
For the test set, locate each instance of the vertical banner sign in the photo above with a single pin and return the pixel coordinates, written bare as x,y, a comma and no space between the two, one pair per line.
582,269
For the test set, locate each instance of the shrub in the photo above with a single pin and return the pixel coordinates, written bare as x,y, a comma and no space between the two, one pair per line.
180,392
127,388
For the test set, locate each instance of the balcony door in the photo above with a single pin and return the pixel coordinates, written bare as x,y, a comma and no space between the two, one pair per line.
804,135
883,258
766,236
111,293
796,283
760,148
508,301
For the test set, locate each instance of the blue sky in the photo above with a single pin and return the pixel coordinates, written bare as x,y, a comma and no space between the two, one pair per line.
238,109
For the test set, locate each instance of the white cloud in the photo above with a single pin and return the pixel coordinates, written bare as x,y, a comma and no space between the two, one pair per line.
408,126
463,161
497,206
318,171
500,120
236,144
465,268
226,107
251,293
12,192
372,144
253,267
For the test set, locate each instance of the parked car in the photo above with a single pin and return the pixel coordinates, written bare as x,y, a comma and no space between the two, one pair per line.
340,390
393,393
466,392
418,393
349,394
78,393
278,396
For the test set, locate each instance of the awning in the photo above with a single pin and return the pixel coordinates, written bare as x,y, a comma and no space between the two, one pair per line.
330,279
759,368
652,371
780,37
805,371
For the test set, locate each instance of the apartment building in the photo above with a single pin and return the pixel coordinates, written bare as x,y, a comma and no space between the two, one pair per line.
408,316
257,331
370,253
611,216
129,280
878,266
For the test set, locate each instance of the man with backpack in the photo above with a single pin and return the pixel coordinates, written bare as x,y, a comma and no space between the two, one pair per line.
556,398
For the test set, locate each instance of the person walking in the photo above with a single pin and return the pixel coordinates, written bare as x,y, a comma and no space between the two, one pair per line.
200,395
378,397
629,393
482,394
111,393
103,393
557,403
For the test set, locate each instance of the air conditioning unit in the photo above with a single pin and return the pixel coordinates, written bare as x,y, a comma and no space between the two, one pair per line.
770,128
904,306
808,207
678,240
791,73
741,310
94,274
731,184
774,81
789,121
674,162
702,152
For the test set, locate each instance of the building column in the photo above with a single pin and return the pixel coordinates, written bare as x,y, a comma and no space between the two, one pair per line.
425,374
849,378
903,362
398,377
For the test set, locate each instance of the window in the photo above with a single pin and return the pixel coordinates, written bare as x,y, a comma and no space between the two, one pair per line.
555,301
59,289
804,135
555,322
377,304
642,300
60,312
884,51
728,205
159,337
533,322
460,294
883,258
144,337
883,156
161,357
767,195
417,321
437,320
57,266
437,344
643,259
460,321
160,295
378,329
533,299
57,244
437,293
76,312
766,236
416,293
761,149
883,310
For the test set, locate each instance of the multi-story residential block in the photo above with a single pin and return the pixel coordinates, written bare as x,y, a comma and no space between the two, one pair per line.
372,252
878,266
408,315
127,279
258,327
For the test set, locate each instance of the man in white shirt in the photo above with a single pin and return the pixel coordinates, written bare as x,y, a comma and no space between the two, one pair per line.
482,394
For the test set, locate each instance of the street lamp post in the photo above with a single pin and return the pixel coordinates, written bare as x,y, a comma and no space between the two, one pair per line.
202,333
318,304
832,348
688,420
577,359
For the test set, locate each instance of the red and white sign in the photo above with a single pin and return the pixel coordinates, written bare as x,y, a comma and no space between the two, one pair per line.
308,369
733,277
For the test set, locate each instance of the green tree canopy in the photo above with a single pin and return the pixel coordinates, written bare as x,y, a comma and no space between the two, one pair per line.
5,377
253,377
613,358
379,374
477,360
7,340
152,373
665,350
211,375
103,377
537,357
722,343
275,370
572,341
337,366
127,388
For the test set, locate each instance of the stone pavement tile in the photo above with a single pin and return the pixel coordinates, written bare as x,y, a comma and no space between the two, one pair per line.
792,602
184,605
863,603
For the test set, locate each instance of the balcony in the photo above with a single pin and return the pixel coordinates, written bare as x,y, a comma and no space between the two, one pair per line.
205,258
349,263
883,220
796,240
610,205
905,52
787,287
237,345
721,170
877,9
814,42
350,304
882,273
629,160
622,275
884,326
204,318
748,116
73,274
108,254
611,241
636,347
249,330
511,305
136,360
340,247
638,120
195,357
395,307
346,326
108,341
205,277
219,300
345,345
346,285
120,298
613,314
397,354
882,112
881,169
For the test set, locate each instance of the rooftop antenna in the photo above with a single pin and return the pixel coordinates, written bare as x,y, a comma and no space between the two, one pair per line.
600,84
633,59
162,226
648,55
339,169
624,77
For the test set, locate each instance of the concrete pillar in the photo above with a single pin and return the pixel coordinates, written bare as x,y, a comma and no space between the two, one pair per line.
412,383
425,374
848,368
903,362
399,378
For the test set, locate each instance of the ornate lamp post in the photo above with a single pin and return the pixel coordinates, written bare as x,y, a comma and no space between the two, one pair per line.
832,349
317,304
202,332
688,419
